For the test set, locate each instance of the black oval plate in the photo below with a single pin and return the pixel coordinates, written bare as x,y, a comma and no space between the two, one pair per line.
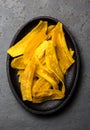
47,107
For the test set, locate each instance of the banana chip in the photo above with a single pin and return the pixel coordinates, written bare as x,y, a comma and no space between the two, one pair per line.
24,43
18,63
42,58
35,42
27,80
42,72
52,61
64,56
42,91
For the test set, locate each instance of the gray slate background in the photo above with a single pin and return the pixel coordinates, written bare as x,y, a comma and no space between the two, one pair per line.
76,16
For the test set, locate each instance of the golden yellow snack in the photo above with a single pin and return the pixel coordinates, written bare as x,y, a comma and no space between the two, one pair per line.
42,91
35,42
27,80
44,73
20,73
52,61
19,47
18,63
40,50
64,56
50,28
71,52
43,60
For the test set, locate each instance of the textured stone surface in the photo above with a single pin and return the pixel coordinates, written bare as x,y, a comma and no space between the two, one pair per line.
76,16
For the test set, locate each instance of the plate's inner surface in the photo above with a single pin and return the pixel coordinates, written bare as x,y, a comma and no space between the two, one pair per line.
70,77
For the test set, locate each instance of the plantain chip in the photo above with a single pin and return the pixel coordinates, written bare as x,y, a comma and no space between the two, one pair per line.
71,52
42,91
50,28
20,73
27,80
18,63
35,42
43,72
64,56
42,58
40,50
19,47
52,61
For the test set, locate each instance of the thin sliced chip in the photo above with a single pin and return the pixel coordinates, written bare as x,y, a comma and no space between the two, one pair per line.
41,71
19,47
71,52
50,28
63,54
40,50
42,91
40,86
50,33
35,42
43,59
27,80
20,74
18,63
52,61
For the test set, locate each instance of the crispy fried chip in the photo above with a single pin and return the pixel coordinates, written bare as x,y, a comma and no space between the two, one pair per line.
18,63
27,80
35,42
22,45
44,73
64,56
42,58
40,50
50,28
42,91
52,61
20,73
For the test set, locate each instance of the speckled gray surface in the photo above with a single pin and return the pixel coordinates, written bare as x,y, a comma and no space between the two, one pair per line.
76,16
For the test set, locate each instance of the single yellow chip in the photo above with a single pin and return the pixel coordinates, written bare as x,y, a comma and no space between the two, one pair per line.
64,56
27,80
35,42
50,28
52,61
40,50
18,63
20,74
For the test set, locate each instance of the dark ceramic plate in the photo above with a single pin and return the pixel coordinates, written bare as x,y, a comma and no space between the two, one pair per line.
47,107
